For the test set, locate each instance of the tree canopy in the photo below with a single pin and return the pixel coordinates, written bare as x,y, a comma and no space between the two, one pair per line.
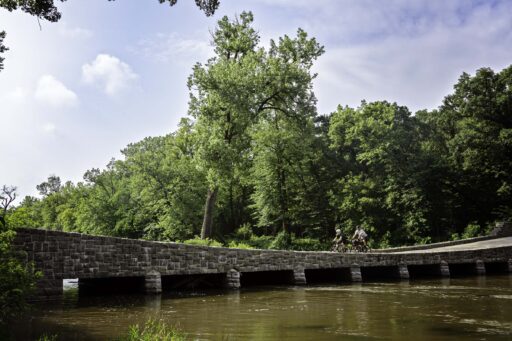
255,165
3,48
238,87
47,10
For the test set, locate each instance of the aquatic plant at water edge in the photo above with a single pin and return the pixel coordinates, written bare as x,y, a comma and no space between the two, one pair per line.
154,330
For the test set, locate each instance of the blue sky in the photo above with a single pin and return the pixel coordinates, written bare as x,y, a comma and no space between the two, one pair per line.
74,93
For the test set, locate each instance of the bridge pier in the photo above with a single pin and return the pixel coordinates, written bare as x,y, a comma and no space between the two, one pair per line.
444,269
479,268
403,271
299,277
233,279
153,282
355,273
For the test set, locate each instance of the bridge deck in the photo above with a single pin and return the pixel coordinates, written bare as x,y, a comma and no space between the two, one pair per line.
479,245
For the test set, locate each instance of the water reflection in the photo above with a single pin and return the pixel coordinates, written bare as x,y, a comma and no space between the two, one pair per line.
153,302
469,308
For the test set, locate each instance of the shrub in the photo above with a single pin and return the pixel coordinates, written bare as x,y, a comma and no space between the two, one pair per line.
239,245
17,278
154,232
489,228
260,242
472,230
308,244
202,242
424,240
282,241
244,232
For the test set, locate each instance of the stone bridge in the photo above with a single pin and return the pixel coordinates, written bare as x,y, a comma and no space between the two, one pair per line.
108,261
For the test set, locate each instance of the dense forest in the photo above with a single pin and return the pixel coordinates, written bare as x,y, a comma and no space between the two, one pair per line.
254,165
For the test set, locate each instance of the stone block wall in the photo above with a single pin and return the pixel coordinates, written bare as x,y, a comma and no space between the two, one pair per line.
62,255
502,229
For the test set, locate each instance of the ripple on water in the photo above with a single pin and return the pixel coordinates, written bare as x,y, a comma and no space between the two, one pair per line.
506,297
422,310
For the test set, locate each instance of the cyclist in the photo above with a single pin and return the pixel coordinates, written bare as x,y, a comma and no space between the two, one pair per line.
338,241
360,237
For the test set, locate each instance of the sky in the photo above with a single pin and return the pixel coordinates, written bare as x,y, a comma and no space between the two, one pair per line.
75,93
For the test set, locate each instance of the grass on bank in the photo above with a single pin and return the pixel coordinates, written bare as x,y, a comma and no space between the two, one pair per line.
154,330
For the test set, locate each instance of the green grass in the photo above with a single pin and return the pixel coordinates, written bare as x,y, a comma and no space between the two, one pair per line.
154,330
202,242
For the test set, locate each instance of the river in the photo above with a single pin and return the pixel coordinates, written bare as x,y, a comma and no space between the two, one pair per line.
471,308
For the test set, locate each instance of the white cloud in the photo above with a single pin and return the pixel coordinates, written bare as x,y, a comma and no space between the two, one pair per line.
74,32
49,128
174,48
298,3
112,74
18,94
418,66
51,91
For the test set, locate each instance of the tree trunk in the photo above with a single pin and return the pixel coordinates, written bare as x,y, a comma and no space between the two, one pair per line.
232,224
207,228
281,188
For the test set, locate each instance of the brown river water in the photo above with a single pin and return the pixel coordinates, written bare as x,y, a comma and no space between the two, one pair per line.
471,308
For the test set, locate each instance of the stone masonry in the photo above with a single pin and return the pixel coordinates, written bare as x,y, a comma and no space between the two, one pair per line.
60,255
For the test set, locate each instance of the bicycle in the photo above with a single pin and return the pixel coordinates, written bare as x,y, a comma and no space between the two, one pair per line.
360,246
339,247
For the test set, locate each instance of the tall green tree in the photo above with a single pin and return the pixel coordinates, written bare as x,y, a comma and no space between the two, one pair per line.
58,209
284,135
472,136
224,97
234,89
280,173
26,214
166,184
378,145
52,185
109,208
